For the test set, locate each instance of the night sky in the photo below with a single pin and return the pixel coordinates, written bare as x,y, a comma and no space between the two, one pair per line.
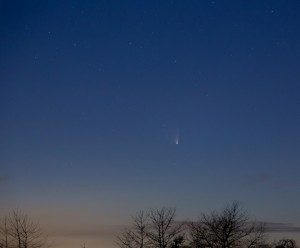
109,107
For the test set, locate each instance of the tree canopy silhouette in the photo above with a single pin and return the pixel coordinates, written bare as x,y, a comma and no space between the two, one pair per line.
229,228
19,231
156,228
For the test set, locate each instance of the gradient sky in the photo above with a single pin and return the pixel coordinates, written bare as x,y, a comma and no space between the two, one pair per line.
95,93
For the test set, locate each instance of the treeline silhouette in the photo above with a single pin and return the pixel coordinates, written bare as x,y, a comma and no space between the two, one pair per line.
230,227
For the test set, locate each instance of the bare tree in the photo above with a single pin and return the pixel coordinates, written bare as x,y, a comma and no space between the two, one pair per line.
229,228
19,231
136,237
163,229
4,234
154,229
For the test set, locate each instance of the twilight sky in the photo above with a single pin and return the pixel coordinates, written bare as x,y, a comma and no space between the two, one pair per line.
95,95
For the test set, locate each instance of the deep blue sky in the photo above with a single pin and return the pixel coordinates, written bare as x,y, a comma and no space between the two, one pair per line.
94,94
